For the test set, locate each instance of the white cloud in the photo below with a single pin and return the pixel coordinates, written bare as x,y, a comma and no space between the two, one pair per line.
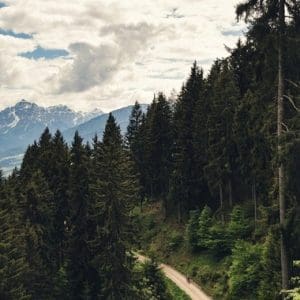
120,51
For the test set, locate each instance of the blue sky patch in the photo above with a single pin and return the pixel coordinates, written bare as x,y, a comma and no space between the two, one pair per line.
40,52
2,4
20,35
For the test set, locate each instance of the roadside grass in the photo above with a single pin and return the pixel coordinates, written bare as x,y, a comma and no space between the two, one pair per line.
175,291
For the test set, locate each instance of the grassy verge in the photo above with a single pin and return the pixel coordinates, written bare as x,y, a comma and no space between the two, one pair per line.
165,241
175,291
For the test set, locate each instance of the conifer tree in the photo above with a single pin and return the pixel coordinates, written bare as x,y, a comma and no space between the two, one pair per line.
273,13
78,251
135,142
114,193
59,183
13,265
184,191
36,203
160,138
220,170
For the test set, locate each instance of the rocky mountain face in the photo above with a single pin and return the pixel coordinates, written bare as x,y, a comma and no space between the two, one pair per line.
97,125
21,124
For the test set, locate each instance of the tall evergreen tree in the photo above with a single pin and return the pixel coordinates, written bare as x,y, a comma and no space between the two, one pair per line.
59,183
160,141
113,192
36,203
13,265
184,191
78,251
220,170
274,13
135,141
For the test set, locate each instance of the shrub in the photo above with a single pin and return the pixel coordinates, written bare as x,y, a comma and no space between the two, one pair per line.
239,226
218,243
245,270
204,226
192,230
155,281
271,269
176,240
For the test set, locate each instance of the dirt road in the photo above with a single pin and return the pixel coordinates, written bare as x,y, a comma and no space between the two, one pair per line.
190,288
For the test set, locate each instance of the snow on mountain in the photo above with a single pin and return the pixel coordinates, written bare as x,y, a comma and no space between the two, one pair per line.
27,115
23,123
97,125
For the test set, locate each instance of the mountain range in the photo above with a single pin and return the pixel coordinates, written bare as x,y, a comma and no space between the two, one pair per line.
23,123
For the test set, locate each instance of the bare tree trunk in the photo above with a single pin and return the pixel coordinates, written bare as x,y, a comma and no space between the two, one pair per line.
281,171
141,204
179,216
221,202
254,196
230,192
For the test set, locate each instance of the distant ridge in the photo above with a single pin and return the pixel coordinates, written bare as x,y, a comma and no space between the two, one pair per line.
96,125
24,122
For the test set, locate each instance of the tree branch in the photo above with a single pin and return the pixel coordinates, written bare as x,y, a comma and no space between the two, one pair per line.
292,102
285,126
293,83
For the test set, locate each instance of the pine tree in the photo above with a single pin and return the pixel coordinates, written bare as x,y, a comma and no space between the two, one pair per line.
184,190
135,121
36,203
221,168
79,194
59,183
192,229
204,224
134,140
13,266
113,193
160,141
274,13
253,148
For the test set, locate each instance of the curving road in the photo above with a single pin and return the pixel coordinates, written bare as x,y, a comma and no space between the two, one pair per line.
190,288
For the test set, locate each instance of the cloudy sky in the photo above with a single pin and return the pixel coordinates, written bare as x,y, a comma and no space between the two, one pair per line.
105,53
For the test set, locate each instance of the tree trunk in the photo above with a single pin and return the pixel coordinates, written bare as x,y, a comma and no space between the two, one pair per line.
221,203
141,203
179,215
281,172
230,192
254,196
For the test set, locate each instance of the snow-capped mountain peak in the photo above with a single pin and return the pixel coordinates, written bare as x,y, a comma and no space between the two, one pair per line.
24,122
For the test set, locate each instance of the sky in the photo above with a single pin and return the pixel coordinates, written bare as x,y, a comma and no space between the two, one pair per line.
107,54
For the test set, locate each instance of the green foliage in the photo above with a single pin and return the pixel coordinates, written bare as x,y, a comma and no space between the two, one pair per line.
61,285
270,261
175,292
192,229
244,273
77,264
294,293
205,233
113,194
239,226
219,243
65,216
149,282
204,228
155,281
175,241
185,191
